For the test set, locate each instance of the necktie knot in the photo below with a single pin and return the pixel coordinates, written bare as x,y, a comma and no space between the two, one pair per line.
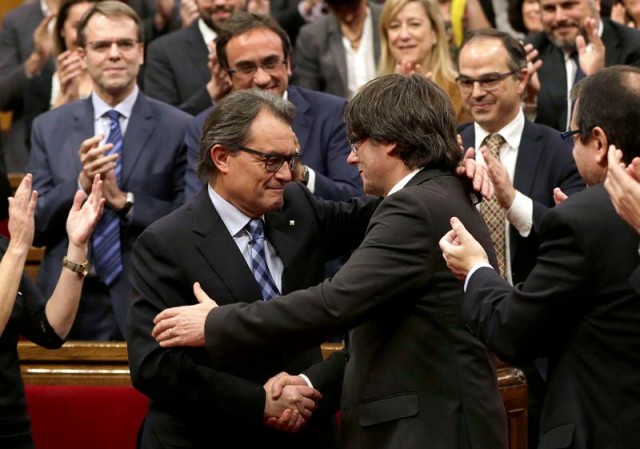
493,142
113,115
256,229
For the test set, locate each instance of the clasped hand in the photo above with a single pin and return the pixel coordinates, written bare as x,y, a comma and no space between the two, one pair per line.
289,403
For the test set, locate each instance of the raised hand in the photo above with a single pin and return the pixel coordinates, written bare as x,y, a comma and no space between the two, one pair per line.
477,173
259,7
70,70
188,12
219,84
460,250
42,47
533,83
183,326
591,56
21,209
623,185
503,188
94,161
83,218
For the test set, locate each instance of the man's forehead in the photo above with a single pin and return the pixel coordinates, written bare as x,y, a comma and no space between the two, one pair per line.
565,4
100,23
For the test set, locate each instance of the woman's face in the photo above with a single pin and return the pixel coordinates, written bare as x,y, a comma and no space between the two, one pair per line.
633,8
531,16
68,31
410,34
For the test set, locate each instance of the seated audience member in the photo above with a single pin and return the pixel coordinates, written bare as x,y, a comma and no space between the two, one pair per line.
412,365
256,53
23,309
70,81
413,40
338,53
249,156
568,27
178,69
626,12
577,307
25,51
132,141
524,16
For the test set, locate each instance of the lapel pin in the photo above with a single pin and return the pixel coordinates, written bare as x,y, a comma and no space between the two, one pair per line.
292,222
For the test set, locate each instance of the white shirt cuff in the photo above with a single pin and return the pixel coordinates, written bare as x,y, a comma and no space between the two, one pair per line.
306,379
520,214
473,269
311,183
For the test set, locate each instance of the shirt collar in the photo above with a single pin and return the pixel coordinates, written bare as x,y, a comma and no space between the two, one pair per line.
403,182
512,132
100,107
207,33
234,220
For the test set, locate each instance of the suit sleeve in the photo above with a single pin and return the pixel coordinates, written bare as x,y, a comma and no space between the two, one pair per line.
306,72
13,77
398,255
520,322
193,184
180,377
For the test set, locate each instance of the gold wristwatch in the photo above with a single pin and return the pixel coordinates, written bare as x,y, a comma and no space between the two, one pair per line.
81,268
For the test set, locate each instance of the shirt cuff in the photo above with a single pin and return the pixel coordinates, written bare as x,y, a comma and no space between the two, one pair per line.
473,269
306,379
86,195
520,214
311,183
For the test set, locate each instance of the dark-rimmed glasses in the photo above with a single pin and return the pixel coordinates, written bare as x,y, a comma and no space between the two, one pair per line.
572,134
487,83
248,69
272,161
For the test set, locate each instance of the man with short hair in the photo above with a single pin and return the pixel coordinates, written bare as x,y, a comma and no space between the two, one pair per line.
177,67
256,53
414,376
251,234
576,42
133,142
577,307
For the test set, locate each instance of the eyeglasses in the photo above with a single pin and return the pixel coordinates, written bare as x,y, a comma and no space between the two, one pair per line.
273,162
124,45
249,69
571,134
487,82
353,142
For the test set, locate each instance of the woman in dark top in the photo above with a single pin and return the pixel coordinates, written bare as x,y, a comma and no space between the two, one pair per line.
23,310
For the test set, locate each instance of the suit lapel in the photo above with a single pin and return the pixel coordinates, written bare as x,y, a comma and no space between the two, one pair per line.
612,43
337,50
138,132
196,50
529,154
81,129
221,252
302,120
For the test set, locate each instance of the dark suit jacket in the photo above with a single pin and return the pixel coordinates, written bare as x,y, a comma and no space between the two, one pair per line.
622,47
16,44
287,14
196,403
320,129
320,62
176,70
415,377
544,162
153,158
578,309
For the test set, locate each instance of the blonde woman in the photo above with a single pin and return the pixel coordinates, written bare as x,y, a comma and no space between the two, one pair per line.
413,40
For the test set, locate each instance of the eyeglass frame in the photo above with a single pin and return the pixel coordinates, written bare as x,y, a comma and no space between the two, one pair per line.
353,143
496,78
292,160
572,133
119,43
262,65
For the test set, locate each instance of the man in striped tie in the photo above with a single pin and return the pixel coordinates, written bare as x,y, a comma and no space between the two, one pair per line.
133,142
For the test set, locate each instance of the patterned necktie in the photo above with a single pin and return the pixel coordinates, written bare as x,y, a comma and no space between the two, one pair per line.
259,260
494,215
106,238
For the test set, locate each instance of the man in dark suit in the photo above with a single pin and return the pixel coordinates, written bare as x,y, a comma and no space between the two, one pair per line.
531,162
249,153
324,62
177,70
142,183
255,51
565,57
577,306
414,376
25,50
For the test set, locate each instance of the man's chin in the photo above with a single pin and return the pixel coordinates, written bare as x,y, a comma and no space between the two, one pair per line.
566,44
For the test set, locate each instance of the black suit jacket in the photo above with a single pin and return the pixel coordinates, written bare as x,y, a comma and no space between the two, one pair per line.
544,162
622,47
199,404
578,309
176,70
415,377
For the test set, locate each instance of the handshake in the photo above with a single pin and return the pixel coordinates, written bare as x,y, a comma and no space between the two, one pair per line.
289,403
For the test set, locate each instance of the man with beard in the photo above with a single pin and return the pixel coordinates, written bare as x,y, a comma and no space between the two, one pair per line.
177,67
576,42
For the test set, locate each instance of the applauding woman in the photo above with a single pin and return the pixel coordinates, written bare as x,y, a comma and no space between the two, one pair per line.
23,310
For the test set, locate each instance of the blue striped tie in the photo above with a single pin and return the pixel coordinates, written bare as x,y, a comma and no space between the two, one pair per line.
259,260
106,238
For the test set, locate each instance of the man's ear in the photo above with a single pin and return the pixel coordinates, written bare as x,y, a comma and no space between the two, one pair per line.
220,158
602,142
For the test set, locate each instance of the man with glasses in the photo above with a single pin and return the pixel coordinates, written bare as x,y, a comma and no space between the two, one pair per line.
255,52
250,235
180,69
132,141
575,42
577,306
525,161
